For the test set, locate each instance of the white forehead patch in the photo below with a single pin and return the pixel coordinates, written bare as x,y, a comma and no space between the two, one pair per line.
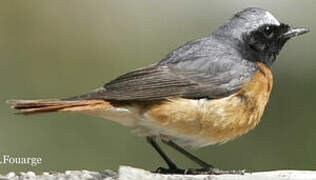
271,19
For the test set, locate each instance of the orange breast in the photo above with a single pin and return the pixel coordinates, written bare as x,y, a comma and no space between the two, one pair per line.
203,122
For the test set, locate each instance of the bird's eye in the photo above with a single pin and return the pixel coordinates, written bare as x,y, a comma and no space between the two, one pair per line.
268,32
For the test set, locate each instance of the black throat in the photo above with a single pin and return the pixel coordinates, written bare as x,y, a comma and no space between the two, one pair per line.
260,46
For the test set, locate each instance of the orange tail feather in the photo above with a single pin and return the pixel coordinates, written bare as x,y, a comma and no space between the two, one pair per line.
55,105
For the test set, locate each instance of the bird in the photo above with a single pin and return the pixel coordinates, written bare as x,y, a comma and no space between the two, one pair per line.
208,91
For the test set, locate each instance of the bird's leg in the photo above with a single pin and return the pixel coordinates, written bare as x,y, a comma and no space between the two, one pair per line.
173,169
206,168
187,154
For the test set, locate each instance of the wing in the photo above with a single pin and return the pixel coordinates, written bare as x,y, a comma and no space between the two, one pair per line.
161,82
192,71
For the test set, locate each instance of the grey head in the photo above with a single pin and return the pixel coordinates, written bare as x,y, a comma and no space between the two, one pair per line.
257,34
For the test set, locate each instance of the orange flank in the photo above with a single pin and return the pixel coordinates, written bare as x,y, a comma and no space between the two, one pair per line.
204,122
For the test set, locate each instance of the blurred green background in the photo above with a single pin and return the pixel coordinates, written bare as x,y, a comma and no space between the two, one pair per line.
62,48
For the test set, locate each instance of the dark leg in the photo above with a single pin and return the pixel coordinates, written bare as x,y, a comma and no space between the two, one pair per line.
164,156
206,168
173,169
187,154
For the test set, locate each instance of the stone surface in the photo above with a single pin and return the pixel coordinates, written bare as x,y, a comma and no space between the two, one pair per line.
129,173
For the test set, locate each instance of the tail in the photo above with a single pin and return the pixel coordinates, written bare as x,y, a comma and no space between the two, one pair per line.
55,105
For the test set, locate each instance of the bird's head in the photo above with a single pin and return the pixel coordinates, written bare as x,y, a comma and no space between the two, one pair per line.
259,33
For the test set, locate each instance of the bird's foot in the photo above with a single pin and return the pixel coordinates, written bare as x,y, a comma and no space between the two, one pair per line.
162,170
203,171
215,171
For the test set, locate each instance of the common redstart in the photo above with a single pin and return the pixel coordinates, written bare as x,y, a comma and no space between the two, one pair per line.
208,91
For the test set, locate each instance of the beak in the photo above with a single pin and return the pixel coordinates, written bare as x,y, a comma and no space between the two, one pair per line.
293,32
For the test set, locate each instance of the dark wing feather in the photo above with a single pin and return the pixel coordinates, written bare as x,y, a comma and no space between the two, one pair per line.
205,68
163,82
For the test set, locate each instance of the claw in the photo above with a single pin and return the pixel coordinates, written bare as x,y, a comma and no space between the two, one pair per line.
203,171
216,171
162,170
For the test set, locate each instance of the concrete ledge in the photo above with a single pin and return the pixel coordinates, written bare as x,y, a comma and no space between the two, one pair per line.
129,173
